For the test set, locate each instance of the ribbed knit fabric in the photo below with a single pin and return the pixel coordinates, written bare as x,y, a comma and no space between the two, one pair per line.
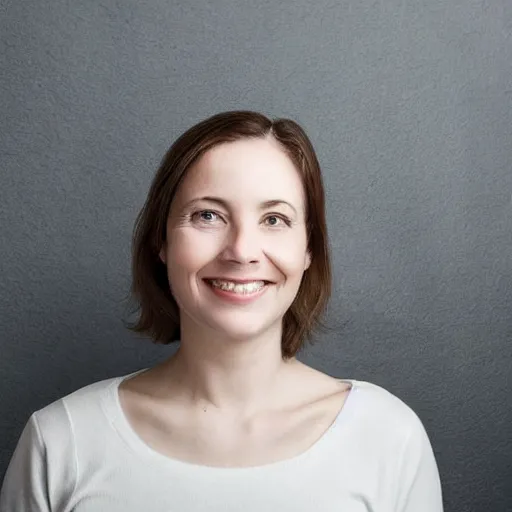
80,454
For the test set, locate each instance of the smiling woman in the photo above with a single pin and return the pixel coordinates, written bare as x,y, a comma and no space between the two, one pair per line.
231,233
230,260
237,182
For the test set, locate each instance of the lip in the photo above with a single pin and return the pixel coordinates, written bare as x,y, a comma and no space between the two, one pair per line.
238,281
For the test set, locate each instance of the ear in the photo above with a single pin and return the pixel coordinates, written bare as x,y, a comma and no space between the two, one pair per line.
307,260
162,255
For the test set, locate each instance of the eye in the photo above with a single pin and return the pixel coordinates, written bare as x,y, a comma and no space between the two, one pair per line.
277,220
205,216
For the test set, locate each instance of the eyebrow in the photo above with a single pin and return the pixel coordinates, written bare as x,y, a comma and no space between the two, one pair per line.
263,206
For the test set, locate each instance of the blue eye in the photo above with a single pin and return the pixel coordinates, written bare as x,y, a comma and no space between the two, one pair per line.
207,215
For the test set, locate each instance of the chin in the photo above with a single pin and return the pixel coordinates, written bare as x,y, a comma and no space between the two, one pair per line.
241,334
242,330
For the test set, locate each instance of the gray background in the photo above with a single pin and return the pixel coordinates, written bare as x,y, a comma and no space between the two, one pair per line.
409,106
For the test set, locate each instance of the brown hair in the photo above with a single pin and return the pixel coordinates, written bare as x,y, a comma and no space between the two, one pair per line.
158,311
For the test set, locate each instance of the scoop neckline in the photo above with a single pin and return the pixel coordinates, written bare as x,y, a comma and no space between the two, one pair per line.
136,444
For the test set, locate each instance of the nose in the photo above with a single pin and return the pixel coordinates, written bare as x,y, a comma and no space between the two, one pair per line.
243,245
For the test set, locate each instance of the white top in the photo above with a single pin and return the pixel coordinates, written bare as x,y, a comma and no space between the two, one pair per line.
80,454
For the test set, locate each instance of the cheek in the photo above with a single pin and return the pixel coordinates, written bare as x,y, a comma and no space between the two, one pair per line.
190,250
289,255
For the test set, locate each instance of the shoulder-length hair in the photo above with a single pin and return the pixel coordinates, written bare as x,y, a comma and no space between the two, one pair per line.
158,314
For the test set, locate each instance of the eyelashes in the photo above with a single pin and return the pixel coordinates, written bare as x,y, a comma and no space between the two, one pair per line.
279,217
211,217
204,217
202,214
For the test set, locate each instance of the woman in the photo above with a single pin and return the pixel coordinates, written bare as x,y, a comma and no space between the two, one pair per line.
230,258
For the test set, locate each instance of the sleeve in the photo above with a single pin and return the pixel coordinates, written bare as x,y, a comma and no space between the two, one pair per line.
25,483
419,486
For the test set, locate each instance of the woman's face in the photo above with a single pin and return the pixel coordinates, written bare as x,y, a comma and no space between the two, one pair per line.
236,245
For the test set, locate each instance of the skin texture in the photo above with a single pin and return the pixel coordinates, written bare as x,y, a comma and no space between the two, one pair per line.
226,397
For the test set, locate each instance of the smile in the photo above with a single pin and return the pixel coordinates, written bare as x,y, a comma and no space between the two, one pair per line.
237,292
236,287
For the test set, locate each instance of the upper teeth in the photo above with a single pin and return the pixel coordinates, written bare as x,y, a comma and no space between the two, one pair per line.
237,287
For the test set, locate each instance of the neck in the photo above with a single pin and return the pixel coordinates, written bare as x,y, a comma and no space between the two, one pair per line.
239,376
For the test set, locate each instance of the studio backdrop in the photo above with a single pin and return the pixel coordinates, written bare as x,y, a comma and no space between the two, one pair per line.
409,106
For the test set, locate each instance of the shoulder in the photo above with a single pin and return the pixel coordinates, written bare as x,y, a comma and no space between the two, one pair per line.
45,465
79,409
386,427
381,398
58,412
387,433
378,411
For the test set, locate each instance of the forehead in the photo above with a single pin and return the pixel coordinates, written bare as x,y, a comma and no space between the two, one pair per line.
248,169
